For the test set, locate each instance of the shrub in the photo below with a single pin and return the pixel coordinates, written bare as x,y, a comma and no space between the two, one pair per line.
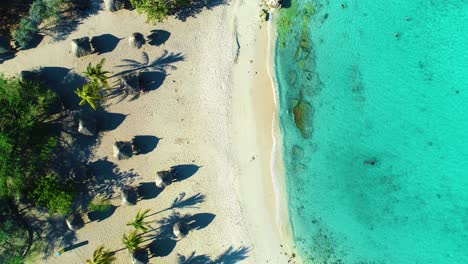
25,33
99,205
48,192
155,10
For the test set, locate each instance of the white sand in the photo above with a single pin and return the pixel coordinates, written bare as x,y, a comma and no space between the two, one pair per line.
215,110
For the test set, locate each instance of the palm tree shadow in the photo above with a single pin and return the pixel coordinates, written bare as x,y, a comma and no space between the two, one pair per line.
142,76
181,203
193,259
232,256
160,64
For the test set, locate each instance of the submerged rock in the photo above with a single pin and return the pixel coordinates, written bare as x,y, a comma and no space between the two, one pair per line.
297,152
303,113
81,47
292,77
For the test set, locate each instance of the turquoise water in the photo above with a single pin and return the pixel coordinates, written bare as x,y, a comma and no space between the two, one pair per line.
359,93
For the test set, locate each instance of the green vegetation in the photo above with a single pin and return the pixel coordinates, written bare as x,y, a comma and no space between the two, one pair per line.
97,75
54,196
101,256
138,223
25,33
25,152
13,237
132,241
158,10
39,11
90,93
99,205
286,18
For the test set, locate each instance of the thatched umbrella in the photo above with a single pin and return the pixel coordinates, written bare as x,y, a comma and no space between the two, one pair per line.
79,174
164,178
81,47
140,256
136,40
129,195
111,5
74,222
87,126
122,150
181,229
130,83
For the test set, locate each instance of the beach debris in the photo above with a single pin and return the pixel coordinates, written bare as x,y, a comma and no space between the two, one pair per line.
122,150
79,174
164,178
129,195
74,221
303,113
81,47
181,229
136,40
87,126
140,256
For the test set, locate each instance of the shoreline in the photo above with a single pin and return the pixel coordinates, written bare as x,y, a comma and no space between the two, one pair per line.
269,191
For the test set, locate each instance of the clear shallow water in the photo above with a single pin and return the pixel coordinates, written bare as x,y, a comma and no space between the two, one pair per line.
362,94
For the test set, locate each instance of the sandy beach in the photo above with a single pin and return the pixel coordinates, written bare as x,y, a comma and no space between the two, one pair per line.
212,113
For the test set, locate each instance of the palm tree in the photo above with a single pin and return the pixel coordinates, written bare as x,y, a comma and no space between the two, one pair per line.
97,75
90,93
132,241
101,256
138,222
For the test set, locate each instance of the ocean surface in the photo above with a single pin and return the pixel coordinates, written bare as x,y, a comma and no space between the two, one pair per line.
373,106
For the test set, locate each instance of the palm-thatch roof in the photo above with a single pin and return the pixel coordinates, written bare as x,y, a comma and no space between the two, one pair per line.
181,229
129,195
87,126
81,47
136,40
140,256
79,174
74,221
130,84
164,178
111,5
122,150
